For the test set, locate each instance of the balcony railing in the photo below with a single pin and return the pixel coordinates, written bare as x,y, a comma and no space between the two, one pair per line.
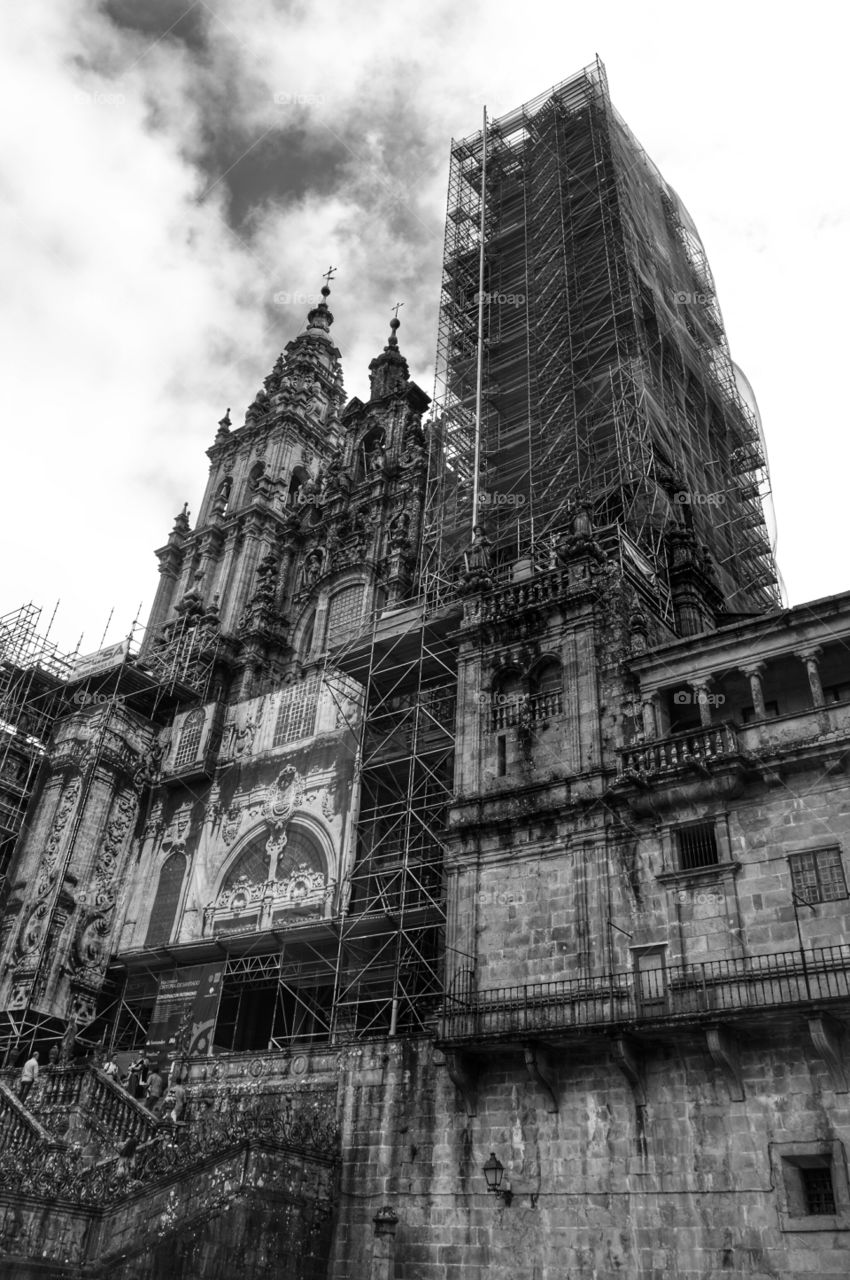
700,992
86,1089
695,748
17,1126
541,707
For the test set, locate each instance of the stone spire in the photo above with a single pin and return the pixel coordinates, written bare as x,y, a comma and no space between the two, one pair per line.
311,361
388,372
320,318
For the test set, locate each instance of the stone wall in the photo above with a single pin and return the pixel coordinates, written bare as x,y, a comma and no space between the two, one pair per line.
682,1184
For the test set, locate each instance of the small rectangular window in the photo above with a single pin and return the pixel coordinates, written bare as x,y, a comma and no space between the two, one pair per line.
818,1193
502,751
697,846
818,876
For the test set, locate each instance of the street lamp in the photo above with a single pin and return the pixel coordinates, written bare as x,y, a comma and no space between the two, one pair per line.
494,1171
803,902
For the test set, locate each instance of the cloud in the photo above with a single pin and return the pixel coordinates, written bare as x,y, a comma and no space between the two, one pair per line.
171,171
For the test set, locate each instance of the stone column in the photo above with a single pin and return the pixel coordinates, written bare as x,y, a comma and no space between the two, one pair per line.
701,690
754,674
810,659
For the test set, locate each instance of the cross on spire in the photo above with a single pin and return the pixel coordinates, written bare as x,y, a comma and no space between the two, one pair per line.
329,274
396,307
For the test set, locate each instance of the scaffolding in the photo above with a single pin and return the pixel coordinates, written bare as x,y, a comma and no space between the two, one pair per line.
39,684
607,380
391,941
33,671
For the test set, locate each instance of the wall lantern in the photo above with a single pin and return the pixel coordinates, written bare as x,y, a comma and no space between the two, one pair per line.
494,1171
386,1221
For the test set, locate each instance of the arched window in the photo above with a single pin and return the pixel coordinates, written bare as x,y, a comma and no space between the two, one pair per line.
255,475
256,865
299,477
547,690
190,738
344,614
161,923
506,695
370,455
222,498
266,883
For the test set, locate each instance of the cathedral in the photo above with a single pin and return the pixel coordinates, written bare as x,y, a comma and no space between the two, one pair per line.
461,846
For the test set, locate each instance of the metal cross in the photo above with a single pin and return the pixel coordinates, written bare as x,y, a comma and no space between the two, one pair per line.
396,307
329,274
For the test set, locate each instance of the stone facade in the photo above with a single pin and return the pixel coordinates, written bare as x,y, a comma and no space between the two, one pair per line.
548,864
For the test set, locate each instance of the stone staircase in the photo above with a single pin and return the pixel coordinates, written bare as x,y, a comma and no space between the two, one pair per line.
19,1127
191,1191
72,1106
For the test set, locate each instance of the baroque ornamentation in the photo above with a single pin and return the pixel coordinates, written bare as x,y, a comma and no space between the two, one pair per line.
97,904
231,824
46,871
281,800
303,892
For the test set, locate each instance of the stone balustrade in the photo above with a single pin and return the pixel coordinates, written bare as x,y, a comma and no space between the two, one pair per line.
701,747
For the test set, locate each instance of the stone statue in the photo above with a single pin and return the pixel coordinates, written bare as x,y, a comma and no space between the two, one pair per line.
312,568
478,555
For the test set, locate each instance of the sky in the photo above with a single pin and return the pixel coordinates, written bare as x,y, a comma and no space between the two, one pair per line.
175,177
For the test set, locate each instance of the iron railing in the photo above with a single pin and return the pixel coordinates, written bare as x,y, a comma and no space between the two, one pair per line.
676,992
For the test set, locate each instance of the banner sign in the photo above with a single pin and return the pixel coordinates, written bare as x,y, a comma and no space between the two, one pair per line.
90,664
185,1011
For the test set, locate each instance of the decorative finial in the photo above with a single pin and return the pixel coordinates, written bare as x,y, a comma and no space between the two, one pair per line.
327,277
395,325
225,422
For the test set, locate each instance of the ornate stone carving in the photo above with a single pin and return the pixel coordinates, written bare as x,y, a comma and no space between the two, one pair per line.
46,871
96,905
231,824
303,892
243,738
282,798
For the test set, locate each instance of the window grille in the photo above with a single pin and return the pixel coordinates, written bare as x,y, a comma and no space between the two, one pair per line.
818,1191
190,738
344,614
296,713
697,846
818,876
